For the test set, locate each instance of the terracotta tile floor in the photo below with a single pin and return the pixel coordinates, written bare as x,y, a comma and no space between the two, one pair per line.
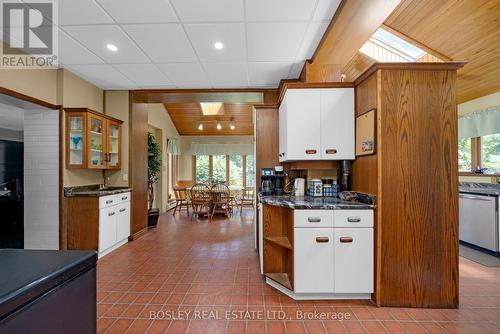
188,274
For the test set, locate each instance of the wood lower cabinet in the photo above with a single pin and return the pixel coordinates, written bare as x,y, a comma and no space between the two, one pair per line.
93,140
98,223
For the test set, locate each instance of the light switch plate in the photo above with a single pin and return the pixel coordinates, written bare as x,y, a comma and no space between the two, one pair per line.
125,177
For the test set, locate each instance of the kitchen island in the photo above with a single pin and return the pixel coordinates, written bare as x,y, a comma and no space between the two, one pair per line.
317,248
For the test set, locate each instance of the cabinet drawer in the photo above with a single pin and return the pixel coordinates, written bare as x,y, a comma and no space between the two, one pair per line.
123,197
313,218
353,218
353,259
313,260
107,201
123,221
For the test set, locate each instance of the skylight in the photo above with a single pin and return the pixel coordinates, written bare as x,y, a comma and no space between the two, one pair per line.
212,108
384,46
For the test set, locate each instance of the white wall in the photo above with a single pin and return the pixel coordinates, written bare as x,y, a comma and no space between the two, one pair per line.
41,179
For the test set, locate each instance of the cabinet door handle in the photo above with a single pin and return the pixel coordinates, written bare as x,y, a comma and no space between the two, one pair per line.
111,214
322,239
122,210
109,201
353,219
346,239
311,151
124,198
314,219
331,151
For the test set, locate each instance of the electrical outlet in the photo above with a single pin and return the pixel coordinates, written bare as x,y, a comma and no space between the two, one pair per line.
125,177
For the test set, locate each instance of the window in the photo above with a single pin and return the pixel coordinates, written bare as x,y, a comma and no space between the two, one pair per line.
490,152
250,171
236,170
202,168
219,168
464,155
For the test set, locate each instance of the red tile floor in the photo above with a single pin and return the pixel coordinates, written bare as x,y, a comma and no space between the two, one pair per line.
203,277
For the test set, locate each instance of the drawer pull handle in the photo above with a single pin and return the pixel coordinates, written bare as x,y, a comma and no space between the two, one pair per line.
311,151
354,219
322,239
331,151
124,198
346,239
314,219
109,201
122,210
111,214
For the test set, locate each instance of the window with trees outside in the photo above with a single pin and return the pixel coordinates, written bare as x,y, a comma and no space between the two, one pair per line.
490,152
479,153
235,170
202,168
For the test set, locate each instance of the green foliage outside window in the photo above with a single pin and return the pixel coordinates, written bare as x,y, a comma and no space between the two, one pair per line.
250,171
202,168
464,154
219,168
490,152
236,170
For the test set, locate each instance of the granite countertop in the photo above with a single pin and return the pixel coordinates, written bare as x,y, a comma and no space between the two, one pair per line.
94,191
479,188
308,202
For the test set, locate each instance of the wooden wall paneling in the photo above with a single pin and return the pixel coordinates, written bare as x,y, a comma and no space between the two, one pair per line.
418,201
266,140
357,65
138,167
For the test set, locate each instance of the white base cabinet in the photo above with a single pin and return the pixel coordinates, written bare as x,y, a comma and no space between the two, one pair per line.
332,258
313,257
114,222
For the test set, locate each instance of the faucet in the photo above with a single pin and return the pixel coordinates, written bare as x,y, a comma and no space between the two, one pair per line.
105,183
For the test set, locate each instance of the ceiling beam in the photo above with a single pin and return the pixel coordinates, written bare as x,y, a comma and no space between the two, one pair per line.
352,25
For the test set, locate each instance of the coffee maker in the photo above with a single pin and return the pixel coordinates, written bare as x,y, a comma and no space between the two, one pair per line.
272,181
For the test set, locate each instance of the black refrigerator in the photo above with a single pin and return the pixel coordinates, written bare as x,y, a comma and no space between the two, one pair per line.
11,194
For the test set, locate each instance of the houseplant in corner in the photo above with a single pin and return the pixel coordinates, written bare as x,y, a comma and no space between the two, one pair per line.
154,167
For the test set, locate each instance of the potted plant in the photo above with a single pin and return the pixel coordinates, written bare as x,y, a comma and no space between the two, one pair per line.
154,167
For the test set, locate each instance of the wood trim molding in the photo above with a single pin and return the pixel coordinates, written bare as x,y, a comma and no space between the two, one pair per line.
475,149
481,175
445,66
287,84
138,234
266,106
95,113
28,98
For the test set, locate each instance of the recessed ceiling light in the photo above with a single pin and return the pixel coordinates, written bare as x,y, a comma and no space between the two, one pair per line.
200,127
218,45
219,126
231,126
112,47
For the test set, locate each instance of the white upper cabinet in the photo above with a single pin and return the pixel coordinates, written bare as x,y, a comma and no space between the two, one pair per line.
317,124
337,123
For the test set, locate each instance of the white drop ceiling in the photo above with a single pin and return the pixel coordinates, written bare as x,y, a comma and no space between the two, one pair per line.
170,44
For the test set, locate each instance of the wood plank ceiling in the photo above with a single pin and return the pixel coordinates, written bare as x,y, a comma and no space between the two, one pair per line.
187,116
461,30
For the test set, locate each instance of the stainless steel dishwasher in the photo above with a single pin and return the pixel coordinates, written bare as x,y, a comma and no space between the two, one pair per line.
478,220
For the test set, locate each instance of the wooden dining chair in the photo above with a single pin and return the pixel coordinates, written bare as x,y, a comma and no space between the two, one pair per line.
181,200
247,199
221,198
200,200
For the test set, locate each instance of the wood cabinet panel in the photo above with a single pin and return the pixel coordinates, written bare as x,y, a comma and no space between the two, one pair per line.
419,194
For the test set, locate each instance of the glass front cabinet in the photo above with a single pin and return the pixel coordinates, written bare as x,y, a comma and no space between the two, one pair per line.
93,140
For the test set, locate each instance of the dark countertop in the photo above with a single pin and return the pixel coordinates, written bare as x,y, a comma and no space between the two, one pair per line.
308,202
479,188
27,274
94,191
